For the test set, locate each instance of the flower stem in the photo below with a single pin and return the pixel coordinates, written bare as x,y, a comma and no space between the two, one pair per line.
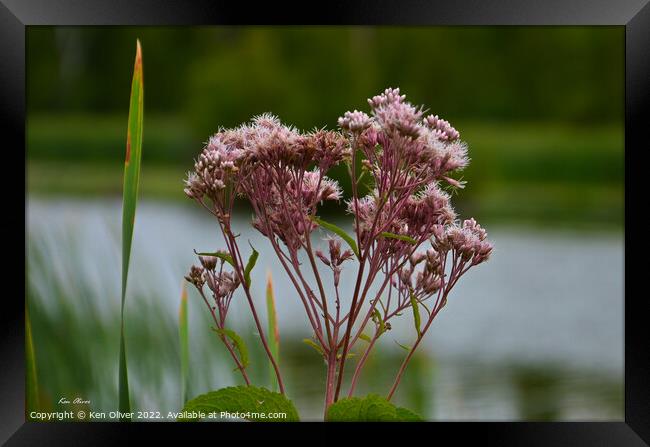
439,305
406,361
348,329
331,378
234,252
240,367
362,362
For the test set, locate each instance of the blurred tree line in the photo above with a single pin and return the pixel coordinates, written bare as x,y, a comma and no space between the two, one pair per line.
309,76
540,107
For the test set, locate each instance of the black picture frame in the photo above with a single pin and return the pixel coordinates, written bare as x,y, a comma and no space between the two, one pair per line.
634,15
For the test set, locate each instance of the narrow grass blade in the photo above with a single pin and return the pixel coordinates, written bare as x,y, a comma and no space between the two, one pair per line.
129,201
31,379
183,335
123,382
274,333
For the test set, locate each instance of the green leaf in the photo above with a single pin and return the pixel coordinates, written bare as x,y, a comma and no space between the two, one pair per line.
340,232
372,408
363,173
314,345
183,335
416,313
400,237
404,347
406,415
129,201
31,388
376,317
239,344
249,267
123,380
274,333
224,256
256,404
365,338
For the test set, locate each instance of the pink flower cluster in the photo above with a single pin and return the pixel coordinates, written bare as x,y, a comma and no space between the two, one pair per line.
406,160
465,246
279,169
416,215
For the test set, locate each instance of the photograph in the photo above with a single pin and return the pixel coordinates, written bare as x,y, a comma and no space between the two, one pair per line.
325,223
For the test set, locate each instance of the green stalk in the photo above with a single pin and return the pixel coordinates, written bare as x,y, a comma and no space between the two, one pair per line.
183,334
31,390
274,333
129,201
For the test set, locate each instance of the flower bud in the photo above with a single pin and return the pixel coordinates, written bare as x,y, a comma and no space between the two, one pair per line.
337,275
212,283
322,257
196,276
416,258
335,250
347,254
354,121
208,262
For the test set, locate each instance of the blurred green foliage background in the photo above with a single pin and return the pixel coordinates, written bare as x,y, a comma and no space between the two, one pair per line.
541,108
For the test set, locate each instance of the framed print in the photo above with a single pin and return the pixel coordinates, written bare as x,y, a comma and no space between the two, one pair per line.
391,213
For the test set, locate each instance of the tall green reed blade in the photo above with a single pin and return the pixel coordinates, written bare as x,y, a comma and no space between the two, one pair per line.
274,333
183,335
129,201
31,391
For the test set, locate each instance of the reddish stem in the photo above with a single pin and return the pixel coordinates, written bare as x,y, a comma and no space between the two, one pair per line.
362,361
240,367
234,252
331,378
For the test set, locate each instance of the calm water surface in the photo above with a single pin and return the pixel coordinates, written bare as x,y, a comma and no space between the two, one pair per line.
535,333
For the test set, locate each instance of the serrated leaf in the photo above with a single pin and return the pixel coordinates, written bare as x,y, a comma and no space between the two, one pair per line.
249,267
252,402
400,237
183,336
372,408
313,344
416,313
239,344
274,333
218,254
338,231
129,202
406,415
